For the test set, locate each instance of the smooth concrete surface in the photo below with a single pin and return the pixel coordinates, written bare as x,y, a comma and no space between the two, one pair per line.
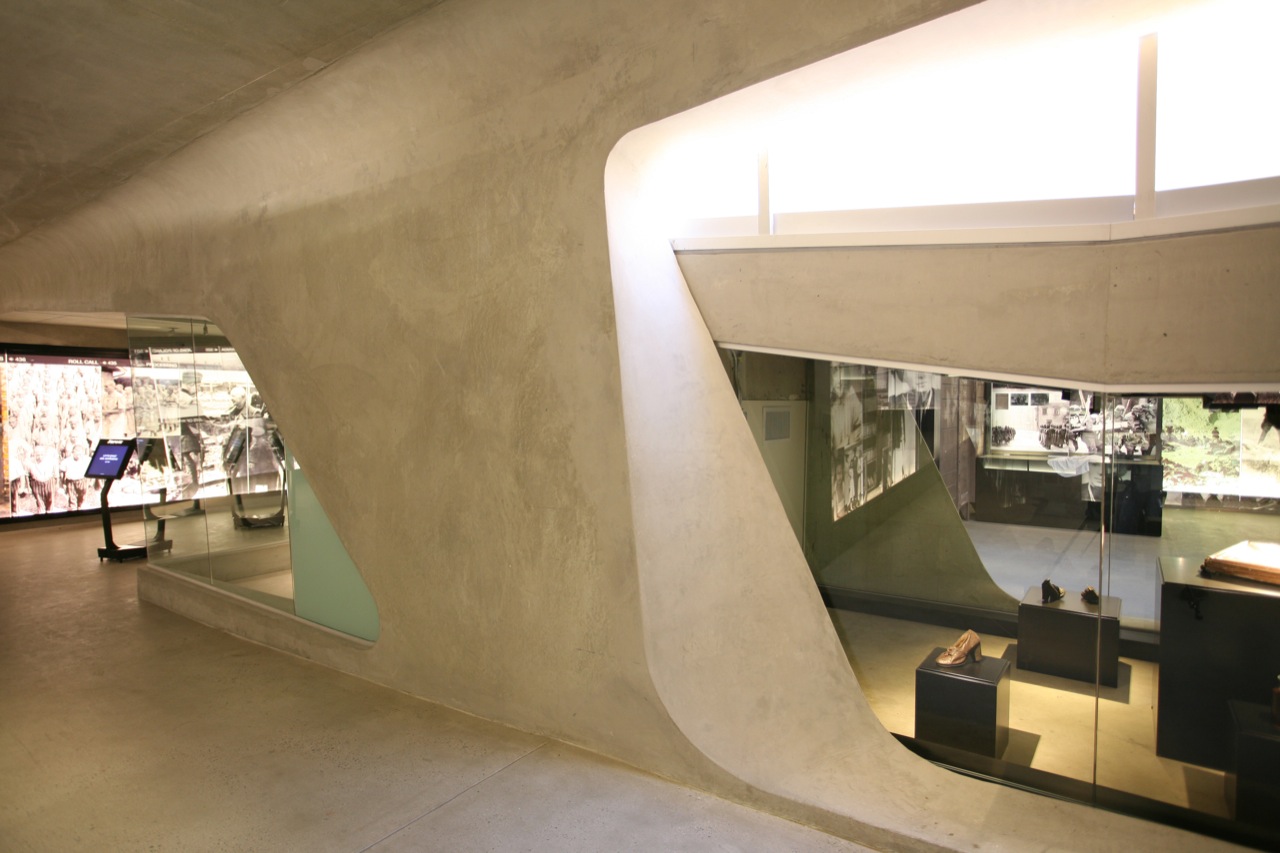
519,428
126,727
41,334
1192,309
95,92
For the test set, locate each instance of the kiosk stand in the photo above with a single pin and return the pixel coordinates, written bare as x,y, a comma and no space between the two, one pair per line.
110,458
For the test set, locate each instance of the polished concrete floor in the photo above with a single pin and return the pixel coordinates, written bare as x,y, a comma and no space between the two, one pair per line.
124,727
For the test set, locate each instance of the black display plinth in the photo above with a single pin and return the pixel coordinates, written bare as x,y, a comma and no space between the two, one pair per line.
1253,785
1219,641
964,706
1070,637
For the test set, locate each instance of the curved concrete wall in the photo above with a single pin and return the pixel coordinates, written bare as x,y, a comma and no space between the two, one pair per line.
562,520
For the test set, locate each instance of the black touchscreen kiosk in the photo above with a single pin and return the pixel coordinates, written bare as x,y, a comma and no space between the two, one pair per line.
110,458
108,462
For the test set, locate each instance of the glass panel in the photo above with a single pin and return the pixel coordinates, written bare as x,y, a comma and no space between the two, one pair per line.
328,588
170,449
248,536
213,461
225,502
1196,716
1067,529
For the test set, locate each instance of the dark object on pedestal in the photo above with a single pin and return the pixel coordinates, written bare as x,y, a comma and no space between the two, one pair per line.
964,706
1253,783
1219,641
1070,637
1050,591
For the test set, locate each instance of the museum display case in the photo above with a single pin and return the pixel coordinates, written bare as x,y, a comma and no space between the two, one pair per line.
226,503
1047,521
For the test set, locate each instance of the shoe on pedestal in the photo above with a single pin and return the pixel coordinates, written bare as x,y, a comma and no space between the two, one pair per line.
1050,591
958,653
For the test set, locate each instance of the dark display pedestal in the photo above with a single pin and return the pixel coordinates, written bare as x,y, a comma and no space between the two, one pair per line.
1070,638
964,706
1253,787
1219,641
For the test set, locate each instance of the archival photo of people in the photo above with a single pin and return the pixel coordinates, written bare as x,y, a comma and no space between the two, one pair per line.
211,430
911,390
54,408
1019,426
873,443
850,387
1040,420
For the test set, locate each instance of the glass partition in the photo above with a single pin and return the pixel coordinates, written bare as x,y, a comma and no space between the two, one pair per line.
1015,570
212,461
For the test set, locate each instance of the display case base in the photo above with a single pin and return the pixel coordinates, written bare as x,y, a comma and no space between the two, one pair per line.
964,706
121,553
1253,784
1070,638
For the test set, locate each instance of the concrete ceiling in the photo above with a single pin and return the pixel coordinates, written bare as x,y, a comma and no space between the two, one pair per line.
92,91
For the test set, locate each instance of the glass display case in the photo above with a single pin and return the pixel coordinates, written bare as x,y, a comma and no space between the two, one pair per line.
212,461
227,504
1015,571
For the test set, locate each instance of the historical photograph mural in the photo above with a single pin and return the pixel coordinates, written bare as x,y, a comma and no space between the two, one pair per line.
874,432
204,428
54,408
1221,449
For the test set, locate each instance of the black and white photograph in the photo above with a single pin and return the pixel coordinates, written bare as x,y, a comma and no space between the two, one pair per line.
55,408
903,451
911,390
215,430
851,391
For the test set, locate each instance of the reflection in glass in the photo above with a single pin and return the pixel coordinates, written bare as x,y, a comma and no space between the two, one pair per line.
212,461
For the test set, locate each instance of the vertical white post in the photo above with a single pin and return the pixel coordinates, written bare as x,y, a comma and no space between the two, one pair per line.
1144,202
764,223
